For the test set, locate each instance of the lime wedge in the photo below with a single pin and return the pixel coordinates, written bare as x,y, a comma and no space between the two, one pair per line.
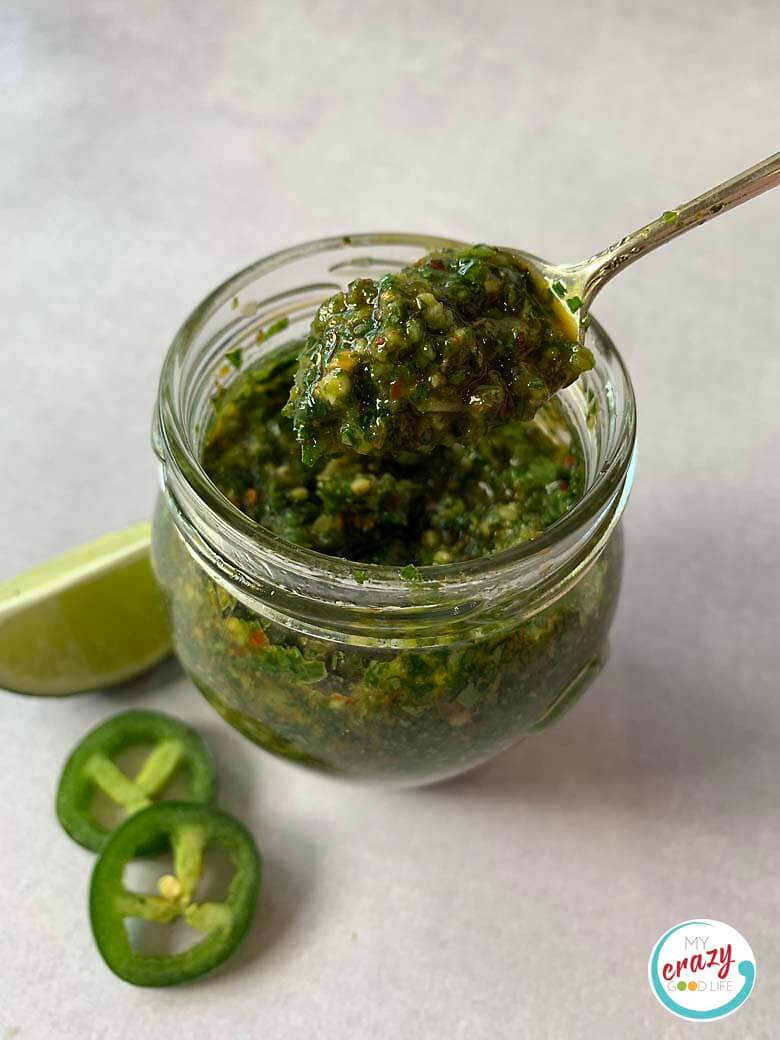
89,618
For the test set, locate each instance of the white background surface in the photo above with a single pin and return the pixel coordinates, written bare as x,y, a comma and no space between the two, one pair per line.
151,148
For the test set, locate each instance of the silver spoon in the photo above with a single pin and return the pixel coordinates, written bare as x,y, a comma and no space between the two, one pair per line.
577,284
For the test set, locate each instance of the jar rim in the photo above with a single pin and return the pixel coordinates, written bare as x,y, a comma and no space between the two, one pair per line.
173,444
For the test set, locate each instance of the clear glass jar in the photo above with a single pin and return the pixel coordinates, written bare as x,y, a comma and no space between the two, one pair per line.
351,668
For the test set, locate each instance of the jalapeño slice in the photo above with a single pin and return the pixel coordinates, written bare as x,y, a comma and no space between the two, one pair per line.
189,830
92,767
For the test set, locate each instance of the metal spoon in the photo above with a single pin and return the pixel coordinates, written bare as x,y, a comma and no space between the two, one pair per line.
578,284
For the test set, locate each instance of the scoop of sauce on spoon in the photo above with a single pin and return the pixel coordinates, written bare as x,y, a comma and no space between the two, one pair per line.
464,340
432,354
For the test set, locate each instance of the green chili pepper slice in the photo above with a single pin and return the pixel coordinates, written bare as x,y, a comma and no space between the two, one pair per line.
190,830
92,767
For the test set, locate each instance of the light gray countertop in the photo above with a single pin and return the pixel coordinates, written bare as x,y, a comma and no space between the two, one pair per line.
148,150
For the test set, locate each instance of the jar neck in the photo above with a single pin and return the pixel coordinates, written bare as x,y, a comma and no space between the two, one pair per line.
367,604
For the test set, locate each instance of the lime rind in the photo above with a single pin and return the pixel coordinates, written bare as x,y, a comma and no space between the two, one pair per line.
73,567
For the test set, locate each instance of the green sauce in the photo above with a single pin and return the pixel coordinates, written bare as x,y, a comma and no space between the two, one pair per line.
455,503
434,354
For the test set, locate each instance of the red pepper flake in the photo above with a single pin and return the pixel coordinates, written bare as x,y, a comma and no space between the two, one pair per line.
569,460
437,265
250,497
380,341
397,390
258,639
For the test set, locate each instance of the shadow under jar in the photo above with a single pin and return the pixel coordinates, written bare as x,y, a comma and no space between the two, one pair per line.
357,669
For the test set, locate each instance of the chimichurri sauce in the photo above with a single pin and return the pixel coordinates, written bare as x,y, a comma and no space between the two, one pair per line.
455,503
433,354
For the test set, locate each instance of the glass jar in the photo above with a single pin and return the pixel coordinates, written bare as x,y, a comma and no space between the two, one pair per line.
358,669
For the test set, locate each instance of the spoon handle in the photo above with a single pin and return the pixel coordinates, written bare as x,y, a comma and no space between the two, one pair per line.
592,274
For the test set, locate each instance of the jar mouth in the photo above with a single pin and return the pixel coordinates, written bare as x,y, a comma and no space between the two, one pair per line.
240,543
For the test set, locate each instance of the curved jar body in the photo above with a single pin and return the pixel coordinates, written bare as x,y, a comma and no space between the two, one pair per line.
357,669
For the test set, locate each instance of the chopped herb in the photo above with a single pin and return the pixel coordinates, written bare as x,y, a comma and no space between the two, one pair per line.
593,409
234,303
234,357
272,329
559,288
410,573
671,215
574,303
277,326
360,576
